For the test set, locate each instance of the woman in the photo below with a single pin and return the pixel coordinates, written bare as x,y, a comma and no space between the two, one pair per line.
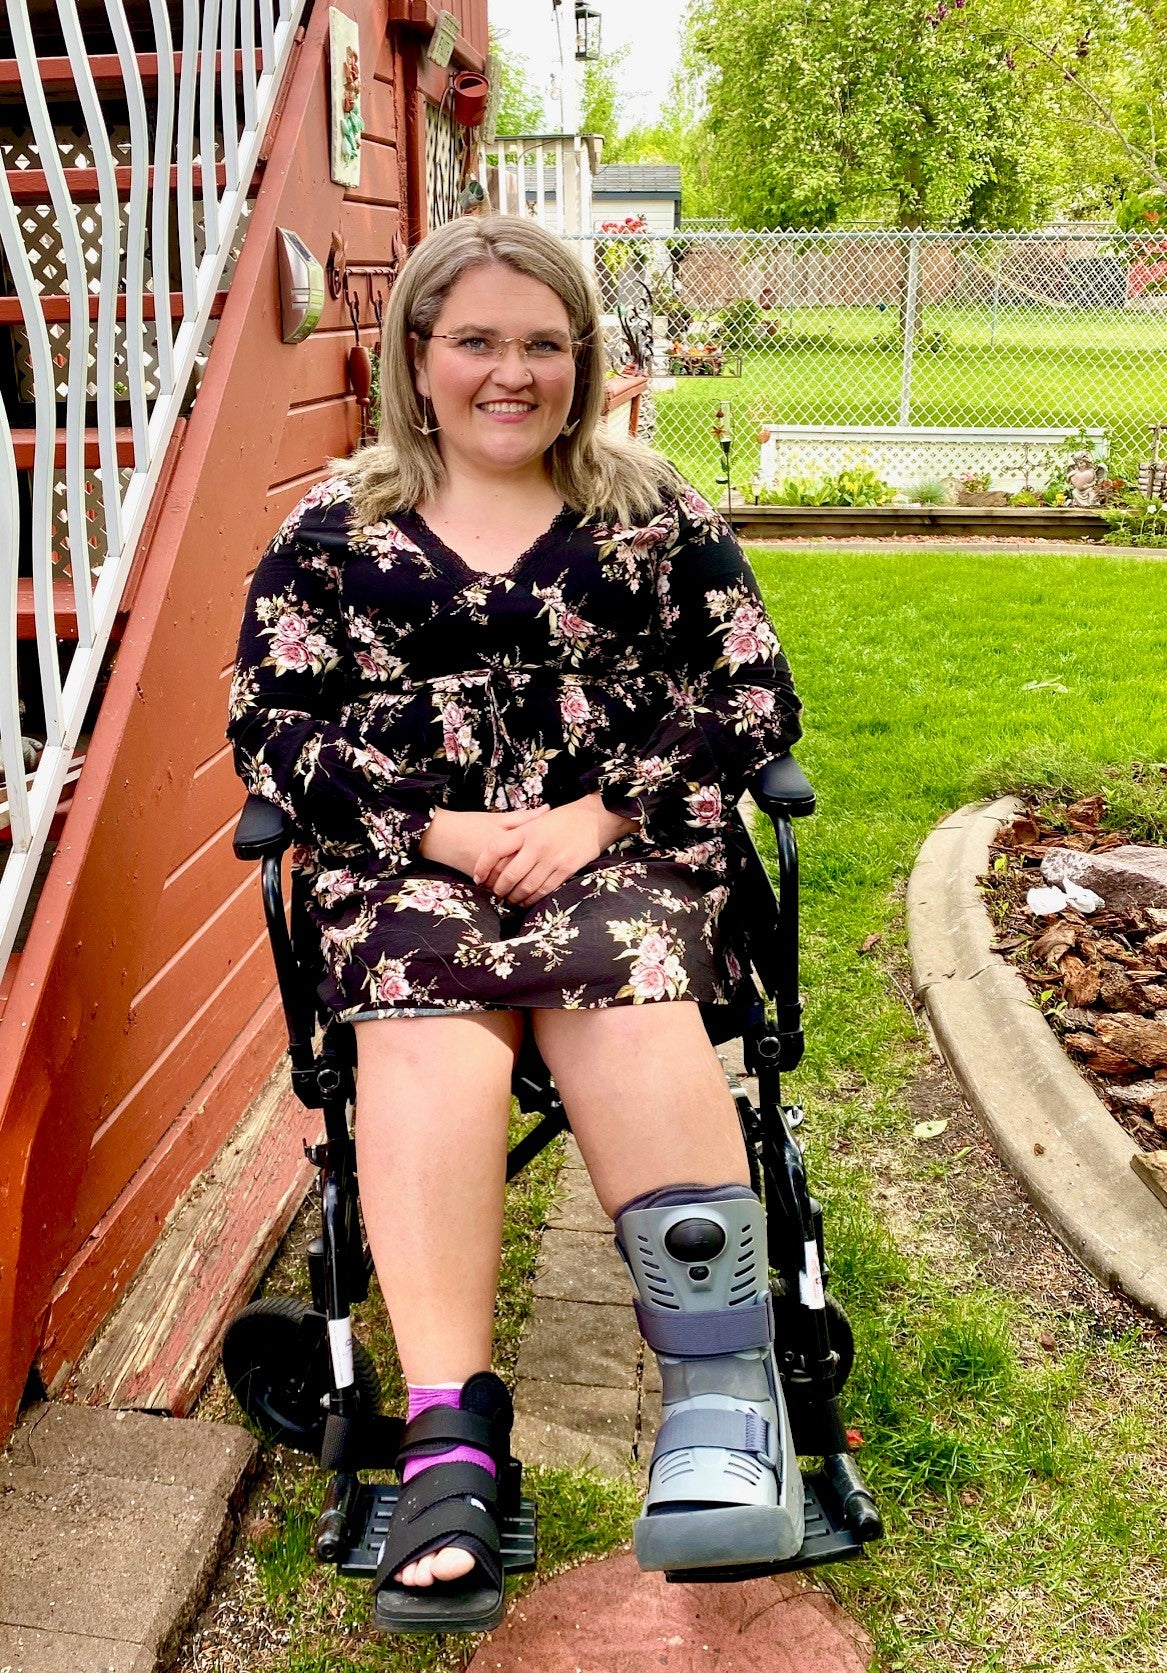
508,677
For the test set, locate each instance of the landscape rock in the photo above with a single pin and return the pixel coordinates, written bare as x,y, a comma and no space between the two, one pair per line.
1134,876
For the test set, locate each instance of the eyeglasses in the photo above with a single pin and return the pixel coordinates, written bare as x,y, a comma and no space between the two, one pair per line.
548,349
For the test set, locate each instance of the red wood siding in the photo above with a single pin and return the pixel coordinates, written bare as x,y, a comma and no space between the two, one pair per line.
142,1019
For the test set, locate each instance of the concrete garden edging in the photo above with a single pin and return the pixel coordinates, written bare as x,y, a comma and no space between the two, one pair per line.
1051,1130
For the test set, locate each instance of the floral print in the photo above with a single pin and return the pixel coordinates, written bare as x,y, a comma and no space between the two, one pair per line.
380,678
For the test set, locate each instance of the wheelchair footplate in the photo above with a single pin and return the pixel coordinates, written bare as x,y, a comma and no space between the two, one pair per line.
374,1510
828,1539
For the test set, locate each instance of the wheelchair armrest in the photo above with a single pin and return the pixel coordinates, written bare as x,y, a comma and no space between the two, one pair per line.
782,788
262,829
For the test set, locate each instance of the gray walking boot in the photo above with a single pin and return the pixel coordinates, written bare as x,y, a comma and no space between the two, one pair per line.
724,1486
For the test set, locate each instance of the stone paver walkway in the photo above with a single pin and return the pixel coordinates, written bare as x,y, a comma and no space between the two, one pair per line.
113,1524
587,1390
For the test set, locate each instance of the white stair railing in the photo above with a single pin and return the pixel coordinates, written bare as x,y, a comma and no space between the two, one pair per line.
214,149
546,176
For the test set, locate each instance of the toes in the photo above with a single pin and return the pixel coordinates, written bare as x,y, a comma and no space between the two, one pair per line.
448,1564
451,1563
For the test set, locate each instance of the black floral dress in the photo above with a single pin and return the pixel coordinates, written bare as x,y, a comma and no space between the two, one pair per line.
380,678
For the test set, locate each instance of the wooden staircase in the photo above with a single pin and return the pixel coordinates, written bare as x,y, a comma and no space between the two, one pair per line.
139,1019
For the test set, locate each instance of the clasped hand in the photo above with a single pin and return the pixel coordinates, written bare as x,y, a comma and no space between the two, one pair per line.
524,855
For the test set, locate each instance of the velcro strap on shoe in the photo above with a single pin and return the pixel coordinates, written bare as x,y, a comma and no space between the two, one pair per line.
705,1426
441,1427
723,1330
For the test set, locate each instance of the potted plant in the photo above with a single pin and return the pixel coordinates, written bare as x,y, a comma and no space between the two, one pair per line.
972,488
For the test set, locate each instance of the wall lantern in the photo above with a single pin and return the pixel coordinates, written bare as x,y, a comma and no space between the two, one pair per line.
587,32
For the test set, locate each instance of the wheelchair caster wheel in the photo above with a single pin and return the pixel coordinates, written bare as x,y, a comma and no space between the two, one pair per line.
275,1359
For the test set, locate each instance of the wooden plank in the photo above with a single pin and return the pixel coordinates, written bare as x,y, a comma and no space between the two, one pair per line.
146,1111
57,79
105,1263
379,99
369,229
194,888
322,359
420,18
775,522
380,175
56,308
161,1344
24,447
313,434
30,185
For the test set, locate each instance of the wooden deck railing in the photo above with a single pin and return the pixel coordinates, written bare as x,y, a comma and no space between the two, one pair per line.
198,99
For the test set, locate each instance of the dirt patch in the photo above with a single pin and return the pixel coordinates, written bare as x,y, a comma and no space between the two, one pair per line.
1010,1245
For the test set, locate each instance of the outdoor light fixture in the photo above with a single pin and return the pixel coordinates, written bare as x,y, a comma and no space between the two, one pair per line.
587,32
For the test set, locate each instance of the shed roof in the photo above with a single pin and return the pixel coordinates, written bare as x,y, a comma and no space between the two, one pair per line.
637,180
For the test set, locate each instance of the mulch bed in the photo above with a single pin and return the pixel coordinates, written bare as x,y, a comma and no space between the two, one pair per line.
1100,979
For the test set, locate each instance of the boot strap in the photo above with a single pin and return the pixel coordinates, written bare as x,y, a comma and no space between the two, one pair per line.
704,1426
722,1330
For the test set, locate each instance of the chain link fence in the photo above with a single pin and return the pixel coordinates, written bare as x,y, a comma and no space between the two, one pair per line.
919,356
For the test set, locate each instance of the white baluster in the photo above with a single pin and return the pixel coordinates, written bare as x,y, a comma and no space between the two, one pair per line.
45,381
227,92
137,209
160,209
267,36
184,206
208,86
41,521
247,45
11,748
108,278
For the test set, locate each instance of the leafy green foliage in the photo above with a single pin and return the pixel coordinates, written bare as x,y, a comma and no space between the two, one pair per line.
856,485
520,106
1136,521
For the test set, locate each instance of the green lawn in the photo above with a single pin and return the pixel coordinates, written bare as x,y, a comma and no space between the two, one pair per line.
1024,1488
1037,366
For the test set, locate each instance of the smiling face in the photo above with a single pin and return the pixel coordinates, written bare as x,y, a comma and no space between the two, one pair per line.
496,417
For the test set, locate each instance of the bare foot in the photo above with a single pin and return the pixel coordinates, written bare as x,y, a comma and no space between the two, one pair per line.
450,1563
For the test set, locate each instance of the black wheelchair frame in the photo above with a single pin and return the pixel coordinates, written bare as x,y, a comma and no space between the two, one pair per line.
279,1353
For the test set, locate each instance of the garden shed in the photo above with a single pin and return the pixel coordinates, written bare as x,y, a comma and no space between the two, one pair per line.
651,191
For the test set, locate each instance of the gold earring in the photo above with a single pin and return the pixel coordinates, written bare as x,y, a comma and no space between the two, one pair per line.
570,429
425,428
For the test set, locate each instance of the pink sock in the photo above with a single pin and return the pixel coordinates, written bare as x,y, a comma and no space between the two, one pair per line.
421,1399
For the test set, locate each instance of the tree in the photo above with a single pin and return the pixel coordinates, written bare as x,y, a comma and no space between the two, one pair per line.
908,111
520,104
602,103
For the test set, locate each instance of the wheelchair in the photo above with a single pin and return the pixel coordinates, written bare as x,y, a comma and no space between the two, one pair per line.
302,1379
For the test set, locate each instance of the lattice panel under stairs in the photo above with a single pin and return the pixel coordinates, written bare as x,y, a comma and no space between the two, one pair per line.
43,239
446,147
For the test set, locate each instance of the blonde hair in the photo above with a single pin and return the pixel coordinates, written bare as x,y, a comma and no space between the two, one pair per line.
592,470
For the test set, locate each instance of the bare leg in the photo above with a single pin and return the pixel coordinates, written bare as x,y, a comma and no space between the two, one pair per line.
433,1097
646,1097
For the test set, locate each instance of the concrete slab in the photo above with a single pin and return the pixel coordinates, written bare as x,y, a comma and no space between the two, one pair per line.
607,1617
113,1526
577,1425
580,1342
581,1266
22,1649
577,1209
